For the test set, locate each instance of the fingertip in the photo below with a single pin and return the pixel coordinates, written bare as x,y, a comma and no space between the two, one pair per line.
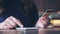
21,26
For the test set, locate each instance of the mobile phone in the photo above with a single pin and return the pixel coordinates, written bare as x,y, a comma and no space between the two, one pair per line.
47,12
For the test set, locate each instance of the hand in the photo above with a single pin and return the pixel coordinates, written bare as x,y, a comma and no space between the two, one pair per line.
10,22
42,22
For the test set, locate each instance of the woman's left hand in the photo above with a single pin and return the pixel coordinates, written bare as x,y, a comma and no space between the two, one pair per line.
42,22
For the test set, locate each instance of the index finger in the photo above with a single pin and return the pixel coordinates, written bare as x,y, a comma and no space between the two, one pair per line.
16,21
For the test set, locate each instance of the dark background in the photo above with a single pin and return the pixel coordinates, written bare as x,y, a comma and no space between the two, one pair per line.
48,4
42,5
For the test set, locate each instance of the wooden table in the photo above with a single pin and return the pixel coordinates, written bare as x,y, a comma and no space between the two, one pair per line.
37,31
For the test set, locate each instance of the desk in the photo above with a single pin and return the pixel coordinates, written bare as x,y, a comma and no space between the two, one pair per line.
38,31
49,31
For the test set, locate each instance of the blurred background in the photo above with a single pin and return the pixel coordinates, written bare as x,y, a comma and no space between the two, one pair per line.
43,5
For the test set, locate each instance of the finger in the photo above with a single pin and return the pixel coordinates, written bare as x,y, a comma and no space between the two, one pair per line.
5,27
17,21
11,22
44,20
39,24
9,25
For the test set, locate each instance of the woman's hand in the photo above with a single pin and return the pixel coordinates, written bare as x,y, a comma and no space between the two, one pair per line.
10,22
42,22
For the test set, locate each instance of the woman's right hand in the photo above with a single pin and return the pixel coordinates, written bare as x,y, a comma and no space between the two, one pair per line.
10,22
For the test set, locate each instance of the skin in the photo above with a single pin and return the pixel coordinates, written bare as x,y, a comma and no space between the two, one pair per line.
11,22
42,22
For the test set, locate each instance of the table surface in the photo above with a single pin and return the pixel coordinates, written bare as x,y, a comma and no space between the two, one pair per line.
32,31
